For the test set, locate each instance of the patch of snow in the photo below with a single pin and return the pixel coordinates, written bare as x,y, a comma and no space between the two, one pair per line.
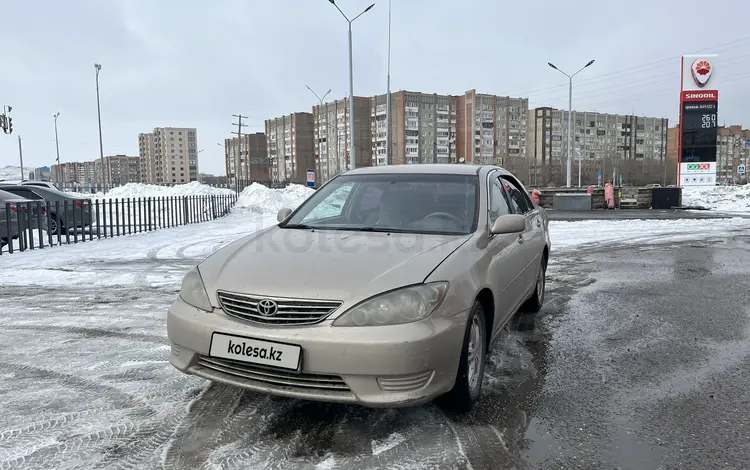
718,198
142,190
393,440
570,235
263,200
13,173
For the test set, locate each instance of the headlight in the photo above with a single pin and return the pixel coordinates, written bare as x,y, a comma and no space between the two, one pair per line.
405,305
193,292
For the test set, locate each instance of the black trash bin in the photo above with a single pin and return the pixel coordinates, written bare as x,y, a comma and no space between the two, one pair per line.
666,198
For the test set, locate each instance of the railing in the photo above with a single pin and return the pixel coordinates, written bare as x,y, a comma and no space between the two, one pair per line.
34,225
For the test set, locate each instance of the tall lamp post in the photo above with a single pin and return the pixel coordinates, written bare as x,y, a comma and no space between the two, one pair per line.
57,149
570,115
98,68
388,155
352,153
320,101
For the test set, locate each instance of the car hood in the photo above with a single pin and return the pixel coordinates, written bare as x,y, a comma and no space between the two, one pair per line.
332,265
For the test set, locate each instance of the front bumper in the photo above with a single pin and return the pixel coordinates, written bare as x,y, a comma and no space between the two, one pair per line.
383,366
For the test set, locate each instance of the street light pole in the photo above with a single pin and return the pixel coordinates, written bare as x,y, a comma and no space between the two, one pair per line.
352,151
98,68
570,116
320,105
388,156
57,149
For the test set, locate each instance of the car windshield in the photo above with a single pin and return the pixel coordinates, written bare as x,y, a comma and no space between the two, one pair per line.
409,203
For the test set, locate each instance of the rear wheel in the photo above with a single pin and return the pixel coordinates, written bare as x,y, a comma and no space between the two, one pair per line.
468,384
526,318
52,229
535,303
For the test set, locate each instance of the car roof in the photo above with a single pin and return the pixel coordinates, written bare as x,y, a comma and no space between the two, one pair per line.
422,169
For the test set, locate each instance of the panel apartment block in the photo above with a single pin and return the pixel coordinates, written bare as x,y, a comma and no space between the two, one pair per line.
290,144
634,146
251,163
332,136
169,155
423,128
119,170
490,128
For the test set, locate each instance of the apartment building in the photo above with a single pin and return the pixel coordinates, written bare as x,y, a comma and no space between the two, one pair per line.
246,158
332,136
290,143
423,128
634,147
118,170
732,150
169,155
73,172
491,129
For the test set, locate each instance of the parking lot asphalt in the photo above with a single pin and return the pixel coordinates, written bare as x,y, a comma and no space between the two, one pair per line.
640,214
639,360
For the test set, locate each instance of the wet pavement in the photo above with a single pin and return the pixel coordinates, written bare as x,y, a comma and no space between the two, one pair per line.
639,360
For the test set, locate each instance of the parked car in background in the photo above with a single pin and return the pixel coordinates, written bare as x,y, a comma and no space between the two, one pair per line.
385,288
78,213
11,206
41,184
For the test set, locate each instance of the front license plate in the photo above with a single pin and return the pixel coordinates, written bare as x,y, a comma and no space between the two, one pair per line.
255,351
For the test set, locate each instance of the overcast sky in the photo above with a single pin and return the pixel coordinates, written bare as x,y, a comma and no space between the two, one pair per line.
190,63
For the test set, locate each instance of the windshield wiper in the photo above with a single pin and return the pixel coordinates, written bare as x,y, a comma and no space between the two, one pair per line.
299,226
378,229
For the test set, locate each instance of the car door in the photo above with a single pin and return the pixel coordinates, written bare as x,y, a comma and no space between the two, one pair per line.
533,236
507,267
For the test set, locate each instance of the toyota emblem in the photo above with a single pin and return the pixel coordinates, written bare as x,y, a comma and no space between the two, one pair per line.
267,307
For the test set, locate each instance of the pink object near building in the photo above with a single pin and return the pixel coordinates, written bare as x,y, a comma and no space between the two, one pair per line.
535,196
609,195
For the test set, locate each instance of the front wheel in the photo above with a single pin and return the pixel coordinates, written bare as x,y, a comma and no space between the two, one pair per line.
468,384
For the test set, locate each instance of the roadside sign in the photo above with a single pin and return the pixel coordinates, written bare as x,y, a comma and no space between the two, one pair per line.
310,178
741,169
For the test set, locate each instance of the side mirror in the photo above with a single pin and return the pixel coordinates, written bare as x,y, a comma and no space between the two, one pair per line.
511,223
283,214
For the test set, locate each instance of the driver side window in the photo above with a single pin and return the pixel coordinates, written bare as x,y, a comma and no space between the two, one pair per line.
498,204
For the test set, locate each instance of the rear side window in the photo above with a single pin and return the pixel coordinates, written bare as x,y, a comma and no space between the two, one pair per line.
24,193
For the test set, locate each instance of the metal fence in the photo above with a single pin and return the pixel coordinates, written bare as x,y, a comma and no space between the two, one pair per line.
36,225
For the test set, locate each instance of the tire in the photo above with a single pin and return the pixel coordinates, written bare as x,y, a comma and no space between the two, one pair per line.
52,228
536,301
470,373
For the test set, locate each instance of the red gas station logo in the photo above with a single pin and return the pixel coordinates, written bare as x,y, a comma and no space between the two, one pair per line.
701,70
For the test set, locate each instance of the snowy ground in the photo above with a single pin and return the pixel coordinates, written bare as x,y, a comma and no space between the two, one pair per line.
719,198
86,383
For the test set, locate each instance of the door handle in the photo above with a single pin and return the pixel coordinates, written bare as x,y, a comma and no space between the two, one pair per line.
520,239
538,223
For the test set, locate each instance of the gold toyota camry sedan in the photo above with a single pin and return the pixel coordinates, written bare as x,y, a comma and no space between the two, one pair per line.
385,288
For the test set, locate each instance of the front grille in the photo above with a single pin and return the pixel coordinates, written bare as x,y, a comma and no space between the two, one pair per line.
288,311
275,377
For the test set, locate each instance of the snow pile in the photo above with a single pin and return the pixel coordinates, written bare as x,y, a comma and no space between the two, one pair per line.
194,188
13,173
718,198
264,200
142,190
